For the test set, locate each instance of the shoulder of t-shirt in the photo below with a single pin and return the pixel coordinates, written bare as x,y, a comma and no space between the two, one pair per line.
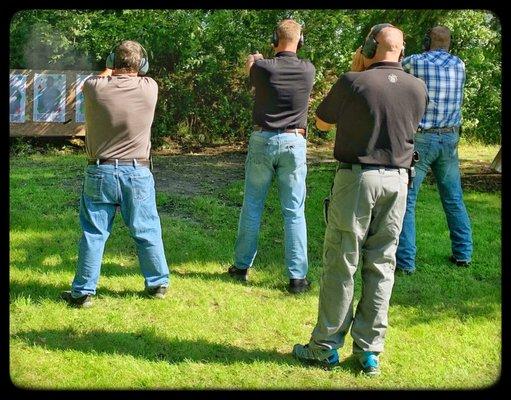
308,63
149,81
348,78
95,81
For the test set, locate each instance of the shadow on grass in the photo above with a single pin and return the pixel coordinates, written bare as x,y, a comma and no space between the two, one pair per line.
145,344
281,285
37,291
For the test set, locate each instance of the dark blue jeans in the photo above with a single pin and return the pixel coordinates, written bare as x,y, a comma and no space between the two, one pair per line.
440,153
132,187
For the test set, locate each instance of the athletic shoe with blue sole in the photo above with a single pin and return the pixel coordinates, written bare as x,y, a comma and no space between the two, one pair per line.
322,358
370,363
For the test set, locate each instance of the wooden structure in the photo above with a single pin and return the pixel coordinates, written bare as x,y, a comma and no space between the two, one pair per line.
496,164
69,127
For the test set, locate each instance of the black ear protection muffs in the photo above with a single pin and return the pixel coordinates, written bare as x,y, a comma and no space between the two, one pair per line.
275,39
144,63
370,44
426,42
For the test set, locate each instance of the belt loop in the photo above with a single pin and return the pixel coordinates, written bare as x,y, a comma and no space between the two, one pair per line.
97,161
356,168
135,163
296,131
116,163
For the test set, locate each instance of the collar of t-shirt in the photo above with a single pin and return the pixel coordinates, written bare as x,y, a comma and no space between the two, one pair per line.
285,54
385,64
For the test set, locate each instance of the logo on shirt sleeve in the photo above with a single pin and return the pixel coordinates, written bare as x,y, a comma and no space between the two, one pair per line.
392,78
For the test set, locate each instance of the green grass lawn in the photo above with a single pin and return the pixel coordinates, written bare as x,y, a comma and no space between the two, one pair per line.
210,332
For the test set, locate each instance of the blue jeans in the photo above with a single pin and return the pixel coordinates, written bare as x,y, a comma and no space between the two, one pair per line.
282,155
440,153
132,188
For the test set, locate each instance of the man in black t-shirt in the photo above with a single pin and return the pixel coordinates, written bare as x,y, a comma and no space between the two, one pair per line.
277,148
376,112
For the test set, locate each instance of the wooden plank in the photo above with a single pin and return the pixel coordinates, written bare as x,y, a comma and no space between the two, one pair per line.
68,128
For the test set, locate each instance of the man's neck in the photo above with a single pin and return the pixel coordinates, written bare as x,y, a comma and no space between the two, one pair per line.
122,73
285,47
382,59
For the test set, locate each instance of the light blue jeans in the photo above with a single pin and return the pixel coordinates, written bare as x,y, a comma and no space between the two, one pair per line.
132,188
440,153
282,155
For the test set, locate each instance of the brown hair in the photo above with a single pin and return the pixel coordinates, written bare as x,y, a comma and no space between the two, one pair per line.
127,56
440,37
289,30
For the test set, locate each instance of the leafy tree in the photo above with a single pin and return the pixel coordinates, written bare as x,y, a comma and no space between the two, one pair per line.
197,57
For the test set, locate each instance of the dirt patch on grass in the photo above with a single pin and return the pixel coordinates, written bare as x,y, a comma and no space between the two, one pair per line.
195,171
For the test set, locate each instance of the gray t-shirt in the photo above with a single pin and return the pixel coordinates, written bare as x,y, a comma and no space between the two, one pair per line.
119,112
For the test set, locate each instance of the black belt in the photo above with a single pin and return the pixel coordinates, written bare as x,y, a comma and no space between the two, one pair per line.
343,165
438,130
112,161
301,131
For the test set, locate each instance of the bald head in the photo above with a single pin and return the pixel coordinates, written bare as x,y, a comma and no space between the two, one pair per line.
440,38
390,43
390,40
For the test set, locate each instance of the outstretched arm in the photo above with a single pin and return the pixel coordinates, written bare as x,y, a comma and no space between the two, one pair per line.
251,59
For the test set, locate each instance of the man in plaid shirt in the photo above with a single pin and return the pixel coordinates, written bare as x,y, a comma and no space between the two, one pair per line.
437,144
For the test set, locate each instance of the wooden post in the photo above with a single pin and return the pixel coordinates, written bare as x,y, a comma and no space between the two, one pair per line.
496,164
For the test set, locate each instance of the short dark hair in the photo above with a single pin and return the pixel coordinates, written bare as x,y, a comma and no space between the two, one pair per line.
128,55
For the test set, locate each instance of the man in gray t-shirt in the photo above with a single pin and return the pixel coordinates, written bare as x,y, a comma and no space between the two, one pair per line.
119,111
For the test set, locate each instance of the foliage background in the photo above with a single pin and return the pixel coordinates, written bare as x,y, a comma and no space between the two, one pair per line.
197,57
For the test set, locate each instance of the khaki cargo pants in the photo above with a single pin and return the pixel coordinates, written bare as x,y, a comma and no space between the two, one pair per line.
365,217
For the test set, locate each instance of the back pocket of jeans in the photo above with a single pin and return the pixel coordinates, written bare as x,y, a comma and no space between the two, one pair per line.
141,186
92,186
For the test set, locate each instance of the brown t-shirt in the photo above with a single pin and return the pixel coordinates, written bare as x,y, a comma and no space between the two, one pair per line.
119,112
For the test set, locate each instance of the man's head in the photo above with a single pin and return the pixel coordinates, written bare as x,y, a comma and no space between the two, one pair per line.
389,45
438,37
127,57
288,35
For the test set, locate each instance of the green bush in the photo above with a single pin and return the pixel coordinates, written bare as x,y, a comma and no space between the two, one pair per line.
197,57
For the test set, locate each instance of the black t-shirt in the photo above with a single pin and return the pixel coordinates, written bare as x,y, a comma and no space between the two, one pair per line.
377,112
282,89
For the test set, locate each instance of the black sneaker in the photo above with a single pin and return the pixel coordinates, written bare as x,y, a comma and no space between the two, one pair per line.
159,292
298,285
459,263
238,273
81,302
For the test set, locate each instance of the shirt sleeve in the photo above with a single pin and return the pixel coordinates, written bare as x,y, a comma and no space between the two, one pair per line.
328,109
406,63
255,74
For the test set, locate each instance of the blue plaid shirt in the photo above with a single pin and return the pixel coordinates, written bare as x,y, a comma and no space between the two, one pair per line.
444,75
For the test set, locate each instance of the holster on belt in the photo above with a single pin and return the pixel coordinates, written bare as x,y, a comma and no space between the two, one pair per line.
411,171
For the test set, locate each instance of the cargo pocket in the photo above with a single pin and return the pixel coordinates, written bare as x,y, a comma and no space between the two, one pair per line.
92,187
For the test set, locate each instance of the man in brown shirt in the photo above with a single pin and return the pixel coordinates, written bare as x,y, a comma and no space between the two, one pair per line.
119,111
